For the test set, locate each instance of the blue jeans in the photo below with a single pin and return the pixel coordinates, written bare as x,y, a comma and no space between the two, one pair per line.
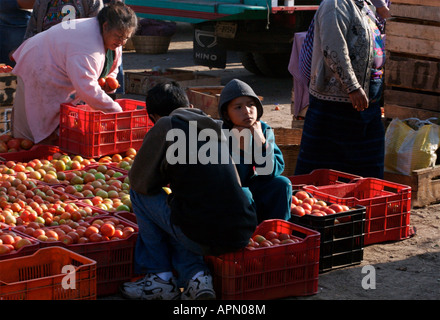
161,246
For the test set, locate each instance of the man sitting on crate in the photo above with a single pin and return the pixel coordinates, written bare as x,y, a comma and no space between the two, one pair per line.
206,213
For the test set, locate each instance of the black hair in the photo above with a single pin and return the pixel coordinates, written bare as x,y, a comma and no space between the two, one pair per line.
118,16
165,97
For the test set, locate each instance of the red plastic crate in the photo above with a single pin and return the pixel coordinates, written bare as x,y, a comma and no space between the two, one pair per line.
38,151
92,134
114,258
40,276
387,205
321,177
23,251
269,273
127,216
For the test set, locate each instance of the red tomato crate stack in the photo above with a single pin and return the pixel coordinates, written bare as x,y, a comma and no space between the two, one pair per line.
41,276
387,206
90,133
274,272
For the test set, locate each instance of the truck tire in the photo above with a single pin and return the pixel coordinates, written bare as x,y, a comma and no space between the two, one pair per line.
272,64
247,60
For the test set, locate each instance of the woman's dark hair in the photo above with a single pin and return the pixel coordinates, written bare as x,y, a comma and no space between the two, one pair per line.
118,16
165,97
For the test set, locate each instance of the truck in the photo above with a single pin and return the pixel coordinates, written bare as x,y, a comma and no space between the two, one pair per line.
260,31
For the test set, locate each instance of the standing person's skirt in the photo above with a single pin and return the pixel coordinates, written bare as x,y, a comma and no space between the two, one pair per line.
336,136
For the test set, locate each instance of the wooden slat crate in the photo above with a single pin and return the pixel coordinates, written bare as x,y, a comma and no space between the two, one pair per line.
412,79
288,140
424,183
412,69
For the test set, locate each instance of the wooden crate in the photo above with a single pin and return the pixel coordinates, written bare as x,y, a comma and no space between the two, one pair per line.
141,82
412,68
8,84
5,119
288,140
206,99
424,183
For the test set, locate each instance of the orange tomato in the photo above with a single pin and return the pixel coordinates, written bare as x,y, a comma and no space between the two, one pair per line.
91,230
301,195
112,83
108,229
101,82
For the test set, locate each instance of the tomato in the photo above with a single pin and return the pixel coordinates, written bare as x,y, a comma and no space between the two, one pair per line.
95,237
336,207
101,82
306,206
265,243
329,210
283,236
258,238
271,235
301,195
52,234
91,230
108,229
298,210
66,239
112,83
7,239
295,200
310,201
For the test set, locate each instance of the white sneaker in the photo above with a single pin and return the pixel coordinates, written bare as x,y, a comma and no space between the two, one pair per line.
151,287
199,289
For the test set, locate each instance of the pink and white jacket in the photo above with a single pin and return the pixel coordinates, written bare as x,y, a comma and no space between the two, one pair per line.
63,64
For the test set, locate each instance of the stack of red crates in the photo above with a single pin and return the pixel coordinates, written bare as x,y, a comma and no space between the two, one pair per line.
388,206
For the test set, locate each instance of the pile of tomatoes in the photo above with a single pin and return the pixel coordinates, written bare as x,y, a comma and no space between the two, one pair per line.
270,239
303,203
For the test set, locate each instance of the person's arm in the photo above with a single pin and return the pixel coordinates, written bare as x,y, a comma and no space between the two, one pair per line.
334,26
382,8
31,28
26,4
82,70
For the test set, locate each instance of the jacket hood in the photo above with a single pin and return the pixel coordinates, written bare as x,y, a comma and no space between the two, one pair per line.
202,119
234,89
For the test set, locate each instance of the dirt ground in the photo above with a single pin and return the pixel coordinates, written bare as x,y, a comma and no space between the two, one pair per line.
404,270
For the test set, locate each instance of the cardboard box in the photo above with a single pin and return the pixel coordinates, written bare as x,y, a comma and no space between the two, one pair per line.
141,82
8,84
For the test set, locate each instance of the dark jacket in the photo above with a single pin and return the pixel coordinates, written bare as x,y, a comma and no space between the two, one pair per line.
207,200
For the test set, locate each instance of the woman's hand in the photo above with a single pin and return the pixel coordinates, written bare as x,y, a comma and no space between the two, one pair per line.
359,99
